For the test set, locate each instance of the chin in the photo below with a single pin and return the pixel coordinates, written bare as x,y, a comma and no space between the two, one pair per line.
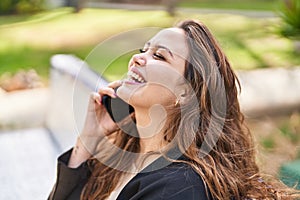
127,92
122,94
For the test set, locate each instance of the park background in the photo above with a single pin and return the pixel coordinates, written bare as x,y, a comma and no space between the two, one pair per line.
255,34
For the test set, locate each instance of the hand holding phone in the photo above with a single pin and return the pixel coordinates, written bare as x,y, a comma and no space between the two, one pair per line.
116,108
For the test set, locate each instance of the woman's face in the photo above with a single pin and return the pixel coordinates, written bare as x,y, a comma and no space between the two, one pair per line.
155,76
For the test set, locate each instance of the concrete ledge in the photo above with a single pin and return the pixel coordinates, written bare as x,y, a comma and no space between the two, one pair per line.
270,91
71,83
77,69
24,108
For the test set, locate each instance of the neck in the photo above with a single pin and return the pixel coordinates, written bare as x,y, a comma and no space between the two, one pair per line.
150,124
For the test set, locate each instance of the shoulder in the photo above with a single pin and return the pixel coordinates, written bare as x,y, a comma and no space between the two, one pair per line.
173,182
180,179
178,172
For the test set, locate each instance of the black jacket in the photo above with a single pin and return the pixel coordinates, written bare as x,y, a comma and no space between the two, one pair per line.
176,181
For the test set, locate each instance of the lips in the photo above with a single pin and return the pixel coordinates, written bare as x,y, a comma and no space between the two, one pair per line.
135,77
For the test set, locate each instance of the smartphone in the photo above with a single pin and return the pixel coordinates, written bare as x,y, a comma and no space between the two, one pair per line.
116,108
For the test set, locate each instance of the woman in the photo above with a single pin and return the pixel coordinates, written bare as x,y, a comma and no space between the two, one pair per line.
188,139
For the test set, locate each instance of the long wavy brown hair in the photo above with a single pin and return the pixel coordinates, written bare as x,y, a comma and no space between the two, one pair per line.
228,169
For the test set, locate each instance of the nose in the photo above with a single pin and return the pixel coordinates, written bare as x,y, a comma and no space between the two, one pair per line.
139,60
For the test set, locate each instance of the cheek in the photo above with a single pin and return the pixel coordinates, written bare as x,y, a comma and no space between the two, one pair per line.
164,76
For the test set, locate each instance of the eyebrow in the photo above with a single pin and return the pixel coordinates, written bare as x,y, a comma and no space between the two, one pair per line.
161,47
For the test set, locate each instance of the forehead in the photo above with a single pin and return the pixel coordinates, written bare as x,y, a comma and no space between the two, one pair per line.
172,38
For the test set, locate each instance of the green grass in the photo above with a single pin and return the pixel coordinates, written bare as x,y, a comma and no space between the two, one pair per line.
232,4
29,41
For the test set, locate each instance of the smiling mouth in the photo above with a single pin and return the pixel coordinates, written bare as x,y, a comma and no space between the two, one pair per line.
132,76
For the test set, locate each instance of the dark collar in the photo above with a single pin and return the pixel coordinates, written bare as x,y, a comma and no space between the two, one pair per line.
165,160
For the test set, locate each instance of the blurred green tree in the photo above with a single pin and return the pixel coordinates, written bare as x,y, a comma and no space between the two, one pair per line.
20,6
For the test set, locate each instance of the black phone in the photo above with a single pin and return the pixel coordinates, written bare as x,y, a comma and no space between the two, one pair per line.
116,108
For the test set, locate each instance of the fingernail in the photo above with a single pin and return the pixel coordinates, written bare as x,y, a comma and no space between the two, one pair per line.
97,100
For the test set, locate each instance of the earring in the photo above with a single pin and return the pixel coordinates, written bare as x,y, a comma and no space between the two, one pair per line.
177,102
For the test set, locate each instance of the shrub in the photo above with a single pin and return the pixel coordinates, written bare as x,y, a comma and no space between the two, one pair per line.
20,6
290,14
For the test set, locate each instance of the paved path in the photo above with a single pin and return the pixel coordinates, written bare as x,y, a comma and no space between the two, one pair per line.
27,164
27,153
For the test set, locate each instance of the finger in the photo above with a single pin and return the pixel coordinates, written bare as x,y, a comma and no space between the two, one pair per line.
115,84
107,91
96,97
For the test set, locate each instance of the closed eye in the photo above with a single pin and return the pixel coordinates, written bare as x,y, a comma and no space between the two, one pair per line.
159,56
155,55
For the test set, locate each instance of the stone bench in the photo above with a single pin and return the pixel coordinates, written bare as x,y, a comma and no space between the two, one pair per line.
270,91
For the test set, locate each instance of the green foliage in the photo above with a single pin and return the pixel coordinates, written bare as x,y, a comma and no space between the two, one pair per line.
268,143
20,6
6,6
290,14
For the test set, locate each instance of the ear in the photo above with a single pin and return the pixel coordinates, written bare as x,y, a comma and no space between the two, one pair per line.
183,96
182,93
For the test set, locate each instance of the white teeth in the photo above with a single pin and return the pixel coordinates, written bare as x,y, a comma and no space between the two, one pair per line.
136,77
